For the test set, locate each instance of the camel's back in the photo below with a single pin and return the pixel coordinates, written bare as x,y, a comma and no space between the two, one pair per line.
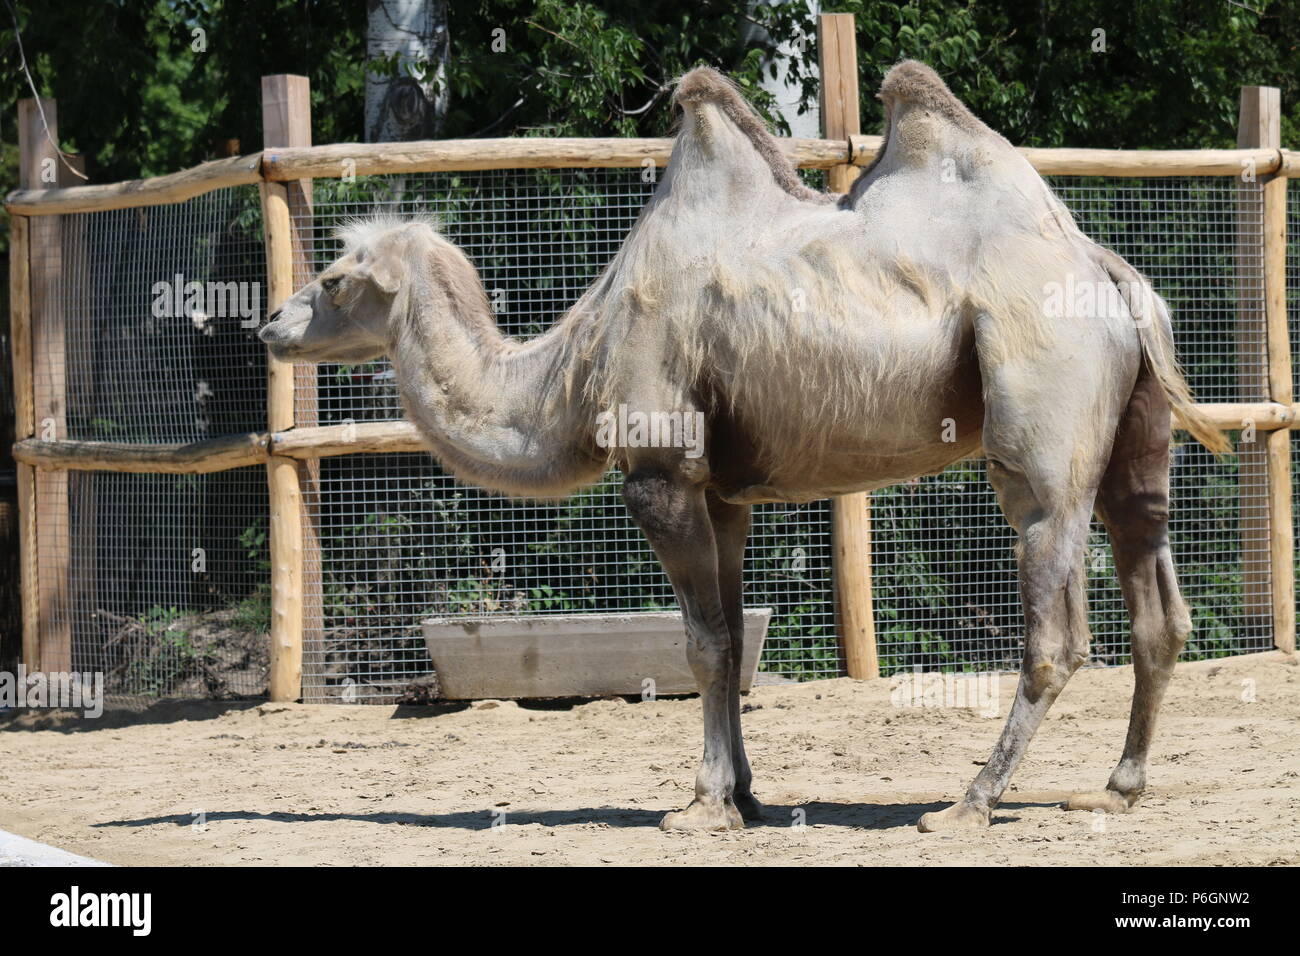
839,370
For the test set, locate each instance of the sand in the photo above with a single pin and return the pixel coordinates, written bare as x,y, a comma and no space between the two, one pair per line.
228,784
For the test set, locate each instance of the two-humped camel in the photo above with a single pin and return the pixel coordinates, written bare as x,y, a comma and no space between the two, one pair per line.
832,345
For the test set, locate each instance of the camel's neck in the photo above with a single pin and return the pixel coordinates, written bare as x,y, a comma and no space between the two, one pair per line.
495,412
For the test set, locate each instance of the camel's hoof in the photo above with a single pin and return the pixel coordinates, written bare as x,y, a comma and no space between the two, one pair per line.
1111,801
959,816
704,816
750,809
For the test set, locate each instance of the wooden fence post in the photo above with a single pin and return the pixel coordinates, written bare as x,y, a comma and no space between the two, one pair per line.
1281,388
850,514
20,335
1264,355
48,644
291,399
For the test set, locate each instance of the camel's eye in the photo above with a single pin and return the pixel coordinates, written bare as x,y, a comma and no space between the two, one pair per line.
331,285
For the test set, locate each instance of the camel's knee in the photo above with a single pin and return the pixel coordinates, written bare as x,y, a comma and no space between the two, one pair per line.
1158,637
709,658
1048,673
1137,521
1044,678
1157,641
663,508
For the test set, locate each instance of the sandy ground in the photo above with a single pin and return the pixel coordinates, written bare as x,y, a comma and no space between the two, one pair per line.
296,784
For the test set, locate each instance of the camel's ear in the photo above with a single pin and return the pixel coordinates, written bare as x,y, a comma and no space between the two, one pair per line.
384,269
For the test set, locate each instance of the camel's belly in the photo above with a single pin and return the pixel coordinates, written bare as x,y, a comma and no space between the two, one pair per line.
843,474
783,454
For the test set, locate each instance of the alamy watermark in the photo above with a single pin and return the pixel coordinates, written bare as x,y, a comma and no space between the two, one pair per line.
625,428
133,911
201,302
978,692
1088,299
58,689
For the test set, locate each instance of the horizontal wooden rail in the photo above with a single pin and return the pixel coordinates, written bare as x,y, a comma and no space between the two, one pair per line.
1123,162
451,155
193,458
362,159
1153,162
173,188
327,441
448,155
1265,416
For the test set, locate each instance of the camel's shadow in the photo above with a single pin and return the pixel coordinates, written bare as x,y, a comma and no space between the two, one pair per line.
815,813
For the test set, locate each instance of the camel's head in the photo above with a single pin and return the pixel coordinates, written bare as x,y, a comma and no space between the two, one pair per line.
345,314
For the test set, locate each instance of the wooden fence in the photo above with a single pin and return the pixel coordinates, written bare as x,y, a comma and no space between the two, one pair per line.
292,443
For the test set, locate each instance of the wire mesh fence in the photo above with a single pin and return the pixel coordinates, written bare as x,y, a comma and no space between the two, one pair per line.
145,326
396,540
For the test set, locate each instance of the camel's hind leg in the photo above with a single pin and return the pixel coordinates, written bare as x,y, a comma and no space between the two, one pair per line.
1134,504
1047,436
1050,553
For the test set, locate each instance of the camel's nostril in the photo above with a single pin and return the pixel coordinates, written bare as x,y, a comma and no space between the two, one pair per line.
265,333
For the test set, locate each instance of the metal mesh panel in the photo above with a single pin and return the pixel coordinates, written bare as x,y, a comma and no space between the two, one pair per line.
1199,240
538,238
944,571
144,330
400,541
146,356
944,578
156,581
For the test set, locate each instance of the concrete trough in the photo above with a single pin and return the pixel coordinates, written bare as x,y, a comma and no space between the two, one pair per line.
573,655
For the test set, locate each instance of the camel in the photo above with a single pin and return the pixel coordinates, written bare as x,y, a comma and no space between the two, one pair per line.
832,344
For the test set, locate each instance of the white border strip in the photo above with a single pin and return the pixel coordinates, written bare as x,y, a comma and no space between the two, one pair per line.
20,851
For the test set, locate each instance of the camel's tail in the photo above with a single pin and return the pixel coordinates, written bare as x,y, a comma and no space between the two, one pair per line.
1155,330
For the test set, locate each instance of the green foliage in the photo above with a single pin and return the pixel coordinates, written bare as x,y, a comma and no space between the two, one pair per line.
1168,77
254,611
142,92
166,655
255,541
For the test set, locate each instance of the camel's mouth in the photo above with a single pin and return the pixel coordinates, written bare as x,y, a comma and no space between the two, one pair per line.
273,335
282,352
296,350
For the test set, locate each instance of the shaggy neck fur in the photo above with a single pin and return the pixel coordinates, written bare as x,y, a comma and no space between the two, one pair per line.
492,409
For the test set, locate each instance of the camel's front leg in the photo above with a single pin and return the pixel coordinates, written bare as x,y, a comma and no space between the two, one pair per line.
674,516
730,530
